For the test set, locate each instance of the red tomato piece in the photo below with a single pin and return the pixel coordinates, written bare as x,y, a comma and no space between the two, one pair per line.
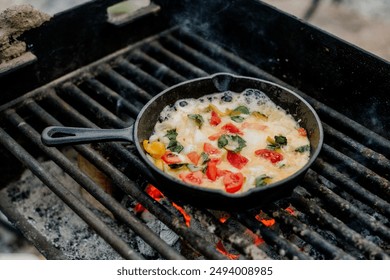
222,172
229,127
233,182
215,136
210,149
194,178
215,119
170,158
272,156
302,132
237,160
211,171
193,157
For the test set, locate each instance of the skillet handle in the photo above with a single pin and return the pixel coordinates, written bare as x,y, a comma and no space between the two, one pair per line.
58,135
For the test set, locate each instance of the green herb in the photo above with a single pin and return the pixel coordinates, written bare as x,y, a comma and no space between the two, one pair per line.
277,142
281,140
237,119
177,165
231,142
222,141
240,110
173,145
197,118
171,134
204,157
303,149
262,180
235,114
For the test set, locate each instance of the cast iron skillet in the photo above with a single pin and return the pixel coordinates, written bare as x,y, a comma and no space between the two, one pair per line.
177,189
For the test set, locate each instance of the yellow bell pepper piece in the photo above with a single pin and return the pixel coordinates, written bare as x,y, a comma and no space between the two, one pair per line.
159,164
155,149
219,112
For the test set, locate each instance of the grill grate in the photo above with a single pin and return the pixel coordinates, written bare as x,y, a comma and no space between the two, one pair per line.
341,209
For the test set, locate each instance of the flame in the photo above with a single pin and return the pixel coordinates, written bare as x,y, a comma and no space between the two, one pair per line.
187,218
257,240
222,250
261,217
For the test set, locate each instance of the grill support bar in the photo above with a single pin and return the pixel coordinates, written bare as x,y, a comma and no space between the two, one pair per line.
70,199
109,202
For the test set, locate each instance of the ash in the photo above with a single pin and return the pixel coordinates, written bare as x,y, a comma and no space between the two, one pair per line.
57,222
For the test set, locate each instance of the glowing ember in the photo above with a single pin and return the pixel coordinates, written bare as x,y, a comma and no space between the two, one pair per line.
224,218
257,240
153,192
186,217
290,210
222,250
262,217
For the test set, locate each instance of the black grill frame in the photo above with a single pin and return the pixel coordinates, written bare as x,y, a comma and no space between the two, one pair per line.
328,198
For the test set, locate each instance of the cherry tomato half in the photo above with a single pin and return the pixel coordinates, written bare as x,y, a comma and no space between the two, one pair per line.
194,178
272,156
236,160
233,182
170,158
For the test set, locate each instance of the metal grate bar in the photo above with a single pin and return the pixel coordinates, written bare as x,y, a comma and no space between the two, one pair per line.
113,97
94,107
133,70
69,198
338,227
158,67
343,207
108,201
128,88
310,236
193,55
236,234
332,174
363,152
220,54
192,71
377,183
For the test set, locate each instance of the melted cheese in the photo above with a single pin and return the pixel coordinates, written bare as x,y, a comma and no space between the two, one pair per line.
255,132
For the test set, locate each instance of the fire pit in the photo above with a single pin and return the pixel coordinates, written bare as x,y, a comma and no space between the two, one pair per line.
103,78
